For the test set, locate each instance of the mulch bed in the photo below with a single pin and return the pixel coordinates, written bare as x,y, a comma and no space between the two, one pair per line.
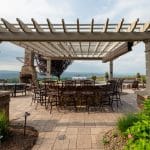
112,140
16,139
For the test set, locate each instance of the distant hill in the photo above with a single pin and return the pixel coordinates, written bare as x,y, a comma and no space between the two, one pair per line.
80,74
15,74
4,74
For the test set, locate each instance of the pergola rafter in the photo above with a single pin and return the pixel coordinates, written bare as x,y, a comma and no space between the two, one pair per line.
23,26
37,26
75,41
119,25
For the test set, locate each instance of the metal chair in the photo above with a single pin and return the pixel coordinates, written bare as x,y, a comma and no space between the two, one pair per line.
105,96
114,91
87,94
68,94
53,95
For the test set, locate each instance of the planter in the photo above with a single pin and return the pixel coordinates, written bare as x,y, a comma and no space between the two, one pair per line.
141,97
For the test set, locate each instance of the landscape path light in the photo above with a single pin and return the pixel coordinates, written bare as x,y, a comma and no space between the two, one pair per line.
26,114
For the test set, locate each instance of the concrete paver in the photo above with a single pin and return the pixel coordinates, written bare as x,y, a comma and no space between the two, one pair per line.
67,130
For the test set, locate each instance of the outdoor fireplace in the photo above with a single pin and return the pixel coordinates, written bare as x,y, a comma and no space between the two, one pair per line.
28,74
26,78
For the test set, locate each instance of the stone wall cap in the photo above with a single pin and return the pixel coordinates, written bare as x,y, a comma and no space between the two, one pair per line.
4,93
144,94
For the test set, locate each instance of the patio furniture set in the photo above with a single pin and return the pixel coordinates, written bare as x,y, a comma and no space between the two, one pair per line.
14,88
71,94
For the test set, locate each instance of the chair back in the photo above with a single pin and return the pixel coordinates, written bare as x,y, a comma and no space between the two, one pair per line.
87,83
135,84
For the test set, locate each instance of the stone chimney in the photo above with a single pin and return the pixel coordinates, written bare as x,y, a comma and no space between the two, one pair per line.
28,71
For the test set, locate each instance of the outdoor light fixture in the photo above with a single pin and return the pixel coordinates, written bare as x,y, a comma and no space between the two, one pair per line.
1,137
26,114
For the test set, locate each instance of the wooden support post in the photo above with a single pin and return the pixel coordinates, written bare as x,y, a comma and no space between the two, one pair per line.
147,57
48,68
111,70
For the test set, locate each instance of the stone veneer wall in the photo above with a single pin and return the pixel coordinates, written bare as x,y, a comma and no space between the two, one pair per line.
29,68
4,102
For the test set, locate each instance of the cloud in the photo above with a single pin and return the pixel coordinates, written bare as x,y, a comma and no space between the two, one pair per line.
8,54
88,66
131,62
38,9
70,10
128,9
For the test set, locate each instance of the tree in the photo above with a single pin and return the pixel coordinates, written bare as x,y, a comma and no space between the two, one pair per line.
138,75
106,75
59,66
94,78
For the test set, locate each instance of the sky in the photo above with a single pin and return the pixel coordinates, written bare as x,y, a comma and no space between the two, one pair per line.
70,10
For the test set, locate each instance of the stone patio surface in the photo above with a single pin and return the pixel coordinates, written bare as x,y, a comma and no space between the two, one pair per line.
66,130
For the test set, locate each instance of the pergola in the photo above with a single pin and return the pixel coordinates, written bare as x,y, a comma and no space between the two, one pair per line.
93,41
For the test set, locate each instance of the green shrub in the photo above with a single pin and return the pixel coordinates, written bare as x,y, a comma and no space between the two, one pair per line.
3,124
105,141
106,75
140,144
140,131
94,78
143,78
125,122
138,75
146,109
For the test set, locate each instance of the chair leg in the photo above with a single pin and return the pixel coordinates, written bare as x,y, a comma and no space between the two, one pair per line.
36,105
51,108
87,105
75,105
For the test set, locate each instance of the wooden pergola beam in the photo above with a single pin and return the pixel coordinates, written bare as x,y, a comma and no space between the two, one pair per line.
72,48
76,37
30,48
57,48
62,46
75,58
43,48
96,48
112,47
89,48
49,47
37,47
116,53
104,47
81,48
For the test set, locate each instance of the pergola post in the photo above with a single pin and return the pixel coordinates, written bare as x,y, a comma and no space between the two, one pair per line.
48,68
110,70
147,56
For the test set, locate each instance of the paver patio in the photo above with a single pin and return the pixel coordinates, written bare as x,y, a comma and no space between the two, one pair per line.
67,130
